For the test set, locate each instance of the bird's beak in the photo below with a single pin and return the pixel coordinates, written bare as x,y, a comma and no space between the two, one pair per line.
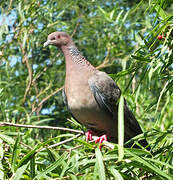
48,42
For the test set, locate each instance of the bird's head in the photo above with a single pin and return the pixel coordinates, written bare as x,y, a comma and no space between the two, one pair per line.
58,39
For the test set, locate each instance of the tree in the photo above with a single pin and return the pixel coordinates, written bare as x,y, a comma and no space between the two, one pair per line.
132,41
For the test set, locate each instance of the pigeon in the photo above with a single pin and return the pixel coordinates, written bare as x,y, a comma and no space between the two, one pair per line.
92,96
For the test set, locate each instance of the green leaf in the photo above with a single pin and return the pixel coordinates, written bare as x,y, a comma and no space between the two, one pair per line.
101,169
73,177
96,172
19,173
121,128
7,139
149,165
161,12
112,14
116,174
141,58
53,166
119,15
65,168
14,155
32,167
29,155
161,94
1,158
159,162
1,149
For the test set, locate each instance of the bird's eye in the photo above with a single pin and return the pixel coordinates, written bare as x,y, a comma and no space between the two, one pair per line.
58,36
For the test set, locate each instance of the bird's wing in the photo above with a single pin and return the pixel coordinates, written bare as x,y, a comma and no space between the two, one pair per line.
107,94
105,91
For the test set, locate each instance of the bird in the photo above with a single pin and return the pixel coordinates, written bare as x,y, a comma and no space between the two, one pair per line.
92,96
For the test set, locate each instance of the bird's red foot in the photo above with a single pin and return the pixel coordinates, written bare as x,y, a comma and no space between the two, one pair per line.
88,135
101,139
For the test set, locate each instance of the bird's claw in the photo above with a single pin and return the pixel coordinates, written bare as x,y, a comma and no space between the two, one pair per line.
101,139
88,135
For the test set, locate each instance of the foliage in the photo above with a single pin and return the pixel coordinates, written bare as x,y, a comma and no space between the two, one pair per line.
119,37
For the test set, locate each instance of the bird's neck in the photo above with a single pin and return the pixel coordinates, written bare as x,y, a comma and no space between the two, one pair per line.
74,58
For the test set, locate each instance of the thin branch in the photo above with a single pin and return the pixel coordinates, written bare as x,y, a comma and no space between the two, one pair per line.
42,91
30,78
101,66
37,101
46,98
25,60
75,29
60,143
104,143
108,144
26,145
9,7
76,147
40,127
44,70
105,62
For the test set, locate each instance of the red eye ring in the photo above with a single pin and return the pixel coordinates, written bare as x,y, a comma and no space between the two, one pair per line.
58,36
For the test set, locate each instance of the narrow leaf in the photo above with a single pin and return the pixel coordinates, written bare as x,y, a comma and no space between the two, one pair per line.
141,58
119,15
20,172
7,139
161,93
148,164
116,174
32,167
101,168
121,128
14,155
52,166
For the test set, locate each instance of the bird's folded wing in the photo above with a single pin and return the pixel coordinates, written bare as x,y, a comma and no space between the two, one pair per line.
105,91
107,94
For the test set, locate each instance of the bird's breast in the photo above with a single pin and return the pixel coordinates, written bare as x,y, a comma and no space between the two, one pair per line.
80,99
83,105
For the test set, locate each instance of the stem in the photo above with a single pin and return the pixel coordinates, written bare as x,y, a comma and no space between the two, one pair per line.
41,127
